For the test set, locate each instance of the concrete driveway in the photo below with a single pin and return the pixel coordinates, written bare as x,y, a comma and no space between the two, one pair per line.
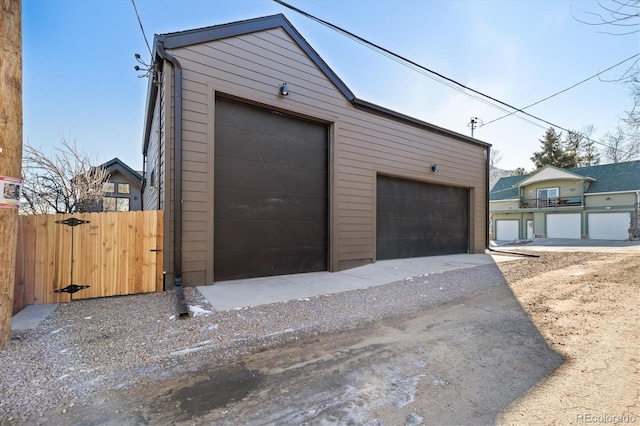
566,244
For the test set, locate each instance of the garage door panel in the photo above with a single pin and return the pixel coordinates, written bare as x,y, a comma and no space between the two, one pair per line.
609,226
270,193
420,219
564,226
421,209
238,234
390,248
246,204
415,227
245,174
271,149
507,230
238,264
263,121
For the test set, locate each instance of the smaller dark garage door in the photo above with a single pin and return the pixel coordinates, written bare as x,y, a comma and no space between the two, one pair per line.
271,193
420,219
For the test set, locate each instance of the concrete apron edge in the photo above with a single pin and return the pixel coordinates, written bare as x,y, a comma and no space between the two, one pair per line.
243,293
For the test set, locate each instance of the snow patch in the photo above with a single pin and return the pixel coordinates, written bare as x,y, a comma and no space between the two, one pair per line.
198,311
200,346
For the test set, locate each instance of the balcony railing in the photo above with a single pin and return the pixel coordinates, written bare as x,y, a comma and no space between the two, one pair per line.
554,202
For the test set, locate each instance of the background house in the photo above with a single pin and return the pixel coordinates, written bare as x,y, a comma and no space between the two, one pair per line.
122,191
265,163
597,202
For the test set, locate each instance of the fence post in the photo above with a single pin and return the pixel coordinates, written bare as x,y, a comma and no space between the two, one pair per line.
10,154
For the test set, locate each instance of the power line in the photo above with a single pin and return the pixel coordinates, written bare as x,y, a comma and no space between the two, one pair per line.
444,79
422,69
141,28
564,90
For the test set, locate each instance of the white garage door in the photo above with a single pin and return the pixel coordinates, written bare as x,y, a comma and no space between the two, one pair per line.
507,230
563,226
609,226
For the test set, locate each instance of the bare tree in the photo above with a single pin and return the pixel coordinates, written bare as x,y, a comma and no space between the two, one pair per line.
66,182
581,144
495,158
619,17
618,147
622,18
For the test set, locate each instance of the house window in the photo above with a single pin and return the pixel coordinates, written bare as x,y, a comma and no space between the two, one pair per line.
124,188
108,187
109,204
112,204
548,197
122,204
152,178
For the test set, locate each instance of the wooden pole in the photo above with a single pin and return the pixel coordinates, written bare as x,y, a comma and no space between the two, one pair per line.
10,154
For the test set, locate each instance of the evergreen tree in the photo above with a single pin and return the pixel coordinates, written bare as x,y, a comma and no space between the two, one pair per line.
553,152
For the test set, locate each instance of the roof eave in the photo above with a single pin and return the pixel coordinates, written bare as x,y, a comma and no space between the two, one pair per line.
234,29
397,116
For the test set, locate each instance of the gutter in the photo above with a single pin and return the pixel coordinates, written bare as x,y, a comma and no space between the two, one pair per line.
177,176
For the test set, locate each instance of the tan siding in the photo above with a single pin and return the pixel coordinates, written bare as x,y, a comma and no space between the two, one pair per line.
568,188
610,200
252,67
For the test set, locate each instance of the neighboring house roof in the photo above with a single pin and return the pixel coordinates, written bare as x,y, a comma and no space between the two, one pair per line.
612,177
617,177
234,29
117,165
551,173
506,188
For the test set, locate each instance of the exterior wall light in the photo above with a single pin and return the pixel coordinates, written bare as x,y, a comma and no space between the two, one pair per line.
284,90
435,168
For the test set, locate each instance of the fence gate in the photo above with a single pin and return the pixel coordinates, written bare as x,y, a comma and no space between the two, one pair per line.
86,255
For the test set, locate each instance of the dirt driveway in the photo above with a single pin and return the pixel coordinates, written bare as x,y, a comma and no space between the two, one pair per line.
588,310
458,362
451,348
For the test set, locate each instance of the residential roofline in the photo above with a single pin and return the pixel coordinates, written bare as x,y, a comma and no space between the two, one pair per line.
217,32
128,170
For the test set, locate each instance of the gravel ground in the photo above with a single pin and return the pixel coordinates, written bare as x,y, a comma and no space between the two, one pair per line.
89,346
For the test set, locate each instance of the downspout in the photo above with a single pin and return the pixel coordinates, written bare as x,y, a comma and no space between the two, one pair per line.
486,217
144,181
636,221
177,176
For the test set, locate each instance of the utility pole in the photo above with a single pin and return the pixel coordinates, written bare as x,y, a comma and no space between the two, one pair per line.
472,124
10,154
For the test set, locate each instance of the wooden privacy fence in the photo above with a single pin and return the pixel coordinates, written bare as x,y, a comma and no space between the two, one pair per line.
113,253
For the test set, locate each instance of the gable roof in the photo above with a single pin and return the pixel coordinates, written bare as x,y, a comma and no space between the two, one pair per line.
118,165
616,177
549,172
233,29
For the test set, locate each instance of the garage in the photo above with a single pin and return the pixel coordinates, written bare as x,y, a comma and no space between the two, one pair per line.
507,230
564,226
415,219
270,193
609,226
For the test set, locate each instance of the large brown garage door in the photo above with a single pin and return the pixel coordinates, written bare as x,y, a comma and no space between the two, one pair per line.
419,219
271,186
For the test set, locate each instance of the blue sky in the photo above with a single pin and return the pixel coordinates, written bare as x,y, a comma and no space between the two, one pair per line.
79,81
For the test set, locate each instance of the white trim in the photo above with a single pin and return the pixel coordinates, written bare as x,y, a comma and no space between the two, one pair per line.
630,191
